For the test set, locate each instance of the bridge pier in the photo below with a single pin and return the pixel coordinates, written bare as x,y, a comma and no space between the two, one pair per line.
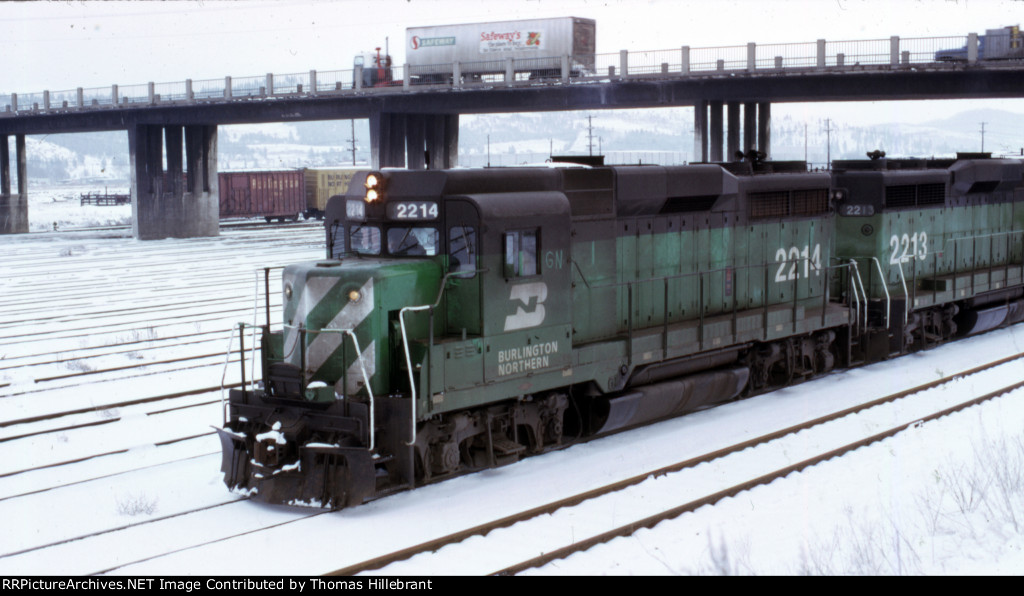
414,141
764,128
707,139
749,126
716,131
183,201
700,131
13,208
732,143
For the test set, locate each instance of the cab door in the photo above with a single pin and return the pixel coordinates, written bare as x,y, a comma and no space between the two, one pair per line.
462,233
527,296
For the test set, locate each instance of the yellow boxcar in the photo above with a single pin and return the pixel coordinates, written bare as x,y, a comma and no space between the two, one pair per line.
324,183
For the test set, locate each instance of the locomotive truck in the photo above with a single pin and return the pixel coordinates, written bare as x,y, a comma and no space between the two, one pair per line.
464,319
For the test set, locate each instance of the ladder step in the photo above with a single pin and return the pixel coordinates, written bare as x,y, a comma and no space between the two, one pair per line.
503,447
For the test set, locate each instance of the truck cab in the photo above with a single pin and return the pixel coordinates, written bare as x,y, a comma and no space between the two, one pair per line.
1004,43
375,69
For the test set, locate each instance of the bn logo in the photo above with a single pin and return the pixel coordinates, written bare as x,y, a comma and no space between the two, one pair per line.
526,293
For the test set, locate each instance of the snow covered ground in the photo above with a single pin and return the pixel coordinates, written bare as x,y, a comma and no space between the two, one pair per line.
61,206
945,497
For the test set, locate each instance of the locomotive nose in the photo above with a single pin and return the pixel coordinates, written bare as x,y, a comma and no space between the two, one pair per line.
336,320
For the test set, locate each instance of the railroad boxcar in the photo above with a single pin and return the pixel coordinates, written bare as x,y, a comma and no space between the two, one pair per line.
272,194
465,318
322,184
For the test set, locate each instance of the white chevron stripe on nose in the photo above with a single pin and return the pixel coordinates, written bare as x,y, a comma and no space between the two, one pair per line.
313,291
354,376
349,317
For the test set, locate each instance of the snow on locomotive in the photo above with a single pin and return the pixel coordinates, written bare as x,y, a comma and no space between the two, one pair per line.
464,319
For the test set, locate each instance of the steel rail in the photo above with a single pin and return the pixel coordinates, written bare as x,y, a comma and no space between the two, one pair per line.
651,521
483,529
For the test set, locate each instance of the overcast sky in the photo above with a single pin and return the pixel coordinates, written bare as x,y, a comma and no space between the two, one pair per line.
64,45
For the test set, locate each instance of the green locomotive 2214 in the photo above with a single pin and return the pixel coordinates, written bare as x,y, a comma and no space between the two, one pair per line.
463,319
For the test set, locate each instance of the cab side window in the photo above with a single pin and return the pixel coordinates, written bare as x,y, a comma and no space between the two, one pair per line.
521,253
462,250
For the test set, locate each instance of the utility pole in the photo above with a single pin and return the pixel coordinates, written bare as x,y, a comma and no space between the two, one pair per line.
805,142
983,137
353,142
590,134
828,143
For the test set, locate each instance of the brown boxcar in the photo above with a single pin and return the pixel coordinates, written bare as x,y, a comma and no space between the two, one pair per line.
278,194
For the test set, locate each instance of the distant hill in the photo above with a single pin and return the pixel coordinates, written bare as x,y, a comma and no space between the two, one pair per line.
624,136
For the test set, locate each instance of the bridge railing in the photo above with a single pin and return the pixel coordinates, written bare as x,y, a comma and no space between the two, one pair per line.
61,99
132,94
785,55
854,53
207,89
684,61
924,49
255,86
333,80
170,91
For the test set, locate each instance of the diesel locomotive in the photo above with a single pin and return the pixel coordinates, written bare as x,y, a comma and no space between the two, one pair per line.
464,319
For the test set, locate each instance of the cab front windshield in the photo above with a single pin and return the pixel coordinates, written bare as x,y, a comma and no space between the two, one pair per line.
399,241
408,241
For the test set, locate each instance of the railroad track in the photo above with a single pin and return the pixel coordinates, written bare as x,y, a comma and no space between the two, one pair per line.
227,224
130,441
206,526
111,358
510,542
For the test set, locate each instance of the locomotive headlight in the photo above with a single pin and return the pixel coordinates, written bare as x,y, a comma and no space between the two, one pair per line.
288,291
374,186
354,296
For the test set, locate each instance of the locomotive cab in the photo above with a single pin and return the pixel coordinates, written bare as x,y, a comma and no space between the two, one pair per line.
428,304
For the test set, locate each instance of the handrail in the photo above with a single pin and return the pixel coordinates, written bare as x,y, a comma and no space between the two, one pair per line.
863,292
224,375
362,367
765,265
955,271
350,332
855,297
906,294
701,274
405,338
885,286
408,363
